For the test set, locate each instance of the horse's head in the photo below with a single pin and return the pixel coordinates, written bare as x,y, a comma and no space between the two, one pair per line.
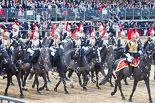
150,47
96,53
4,56
21,50
147,59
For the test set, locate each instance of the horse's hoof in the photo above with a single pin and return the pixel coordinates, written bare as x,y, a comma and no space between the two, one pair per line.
12,84
126,84
47,89
112,93
33,86
98,88
21,96
38,93
93,81
151,101
84,88
66,92
112,85
49,81
123,98
130,100
5,94
72,86
55,89
41,88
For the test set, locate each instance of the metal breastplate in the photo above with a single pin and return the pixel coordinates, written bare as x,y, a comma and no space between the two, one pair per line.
133,48
92,42
56,42
35,44
77,43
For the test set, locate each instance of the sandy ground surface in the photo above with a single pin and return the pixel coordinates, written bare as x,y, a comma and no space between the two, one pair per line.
77,95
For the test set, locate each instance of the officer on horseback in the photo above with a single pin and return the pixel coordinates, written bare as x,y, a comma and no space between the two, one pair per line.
91,41
15,32
121,41
6,43
133,51
54,45
67,34
34,49
105,40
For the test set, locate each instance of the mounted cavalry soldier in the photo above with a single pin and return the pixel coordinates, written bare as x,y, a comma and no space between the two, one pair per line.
15,32
67,34
133,51
6,43
34,47
77,41
105,39
121,41
91,41
55,44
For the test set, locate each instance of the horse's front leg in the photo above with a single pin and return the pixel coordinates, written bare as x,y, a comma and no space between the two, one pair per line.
147,82
37,82
45,83
133,90
8,84
19,83
97,80
49,81
12,84
65,87
70,77
24,82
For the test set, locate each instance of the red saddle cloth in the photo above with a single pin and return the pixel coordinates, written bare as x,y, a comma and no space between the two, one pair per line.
121,65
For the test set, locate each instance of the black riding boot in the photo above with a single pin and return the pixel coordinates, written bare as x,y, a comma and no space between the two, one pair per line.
130,72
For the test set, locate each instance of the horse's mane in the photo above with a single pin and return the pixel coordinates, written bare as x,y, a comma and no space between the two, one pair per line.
67,45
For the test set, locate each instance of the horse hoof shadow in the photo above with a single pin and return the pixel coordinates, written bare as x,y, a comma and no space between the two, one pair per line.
130,100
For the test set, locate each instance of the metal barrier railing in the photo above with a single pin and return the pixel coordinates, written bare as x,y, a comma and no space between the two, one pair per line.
9,99
76,14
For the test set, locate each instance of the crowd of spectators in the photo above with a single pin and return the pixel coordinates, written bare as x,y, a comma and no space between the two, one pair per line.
96,4
112,26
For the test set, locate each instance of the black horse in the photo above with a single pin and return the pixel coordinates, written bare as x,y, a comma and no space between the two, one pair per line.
142,72
10,70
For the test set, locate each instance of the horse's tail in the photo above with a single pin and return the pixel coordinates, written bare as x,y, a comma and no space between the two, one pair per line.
107,77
